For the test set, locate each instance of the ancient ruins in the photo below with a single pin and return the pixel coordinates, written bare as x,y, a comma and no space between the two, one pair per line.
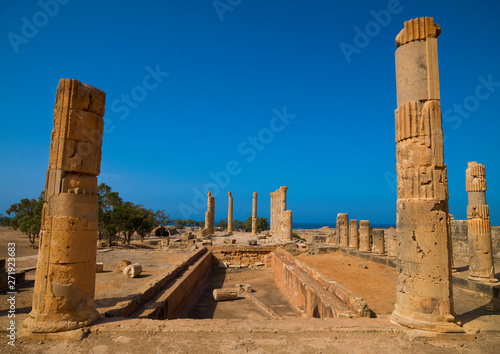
281,219
254,214
63,297
364,236
424,291
209,216
353,234
481,265
230,214
204,268
343,229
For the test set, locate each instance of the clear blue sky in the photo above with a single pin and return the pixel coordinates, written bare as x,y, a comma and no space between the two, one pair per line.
231,73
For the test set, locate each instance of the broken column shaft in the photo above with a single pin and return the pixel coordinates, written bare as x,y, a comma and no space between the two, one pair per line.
63,296
378,246
343,229
254,214
424,292
481,266
230,214
353,234
364,236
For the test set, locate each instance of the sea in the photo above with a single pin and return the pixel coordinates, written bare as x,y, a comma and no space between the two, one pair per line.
314,225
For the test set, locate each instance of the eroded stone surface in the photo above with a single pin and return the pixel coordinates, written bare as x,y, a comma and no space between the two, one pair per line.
353,234
281,219
343,229
364,236
481,267
424,293
254,214
63,297
230,214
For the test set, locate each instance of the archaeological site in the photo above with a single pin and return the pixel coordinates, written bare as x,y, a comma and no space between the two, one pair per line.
430,279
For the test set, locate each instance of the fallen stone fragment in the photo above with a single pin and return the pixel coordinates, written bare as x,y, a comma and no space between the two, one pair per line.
363,266
252,242
243,288
225,294
132,270
99,267
122,264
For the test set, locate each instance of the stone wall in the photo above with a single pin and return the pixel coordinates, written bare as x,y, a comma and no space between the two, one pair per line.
459,241
238,256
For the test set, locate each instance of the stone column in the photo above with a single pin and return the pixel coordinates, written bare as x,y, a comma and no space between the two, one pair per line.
63,296
378,246
208,216
230,214
342,229
212,215
424,291
353,234
481,266
364,236
254,214
271,216
287,225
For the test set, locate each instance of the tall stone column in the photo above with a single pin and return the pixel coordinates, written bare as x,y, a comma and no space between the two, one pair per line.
481,266
230,214
364,236
254,214
343,229
212,215
63,296
378,246
424,288
353,234
287,225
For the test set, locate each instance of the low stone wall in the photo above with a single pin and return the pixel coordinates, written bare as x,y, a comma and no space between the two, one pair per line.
173,301
312,292
239,256
459,241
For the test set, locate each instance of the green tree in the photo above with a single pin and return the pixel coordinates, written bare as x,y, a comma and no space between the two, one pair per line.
163,220
223,224
262,224
27,216
109,203
238,225
4,220
179,224
133,218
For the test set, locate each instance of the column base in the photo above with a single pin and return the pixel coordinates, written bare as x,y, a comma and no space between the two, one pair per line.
38,324
482,279
442,324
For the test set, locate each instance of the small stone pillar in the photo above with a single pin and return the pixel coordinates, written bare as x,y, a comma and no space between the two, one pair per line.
342,229
481,266
287,225
210,215
424,288
254,214
230,214
63,296
378,246
353,234
364,236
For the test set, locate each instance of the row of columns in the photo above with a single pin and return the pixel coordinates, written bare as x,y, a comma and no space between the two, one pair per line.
350,234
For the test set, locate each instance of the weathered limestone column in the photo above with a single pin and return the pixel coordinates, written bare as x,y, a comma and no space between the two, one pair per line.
271,215
287,225
63,297
254,214
353,234
378,246
481,266
343,229
212,214
424,292
364,236
208,217
230,214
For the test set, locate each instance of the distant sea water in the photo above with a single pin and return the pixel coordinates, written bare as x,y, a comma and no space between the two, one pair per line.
313,225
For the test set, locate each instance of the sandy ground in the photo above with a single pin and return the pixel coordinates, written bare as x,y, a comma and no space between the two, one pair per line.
376,283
